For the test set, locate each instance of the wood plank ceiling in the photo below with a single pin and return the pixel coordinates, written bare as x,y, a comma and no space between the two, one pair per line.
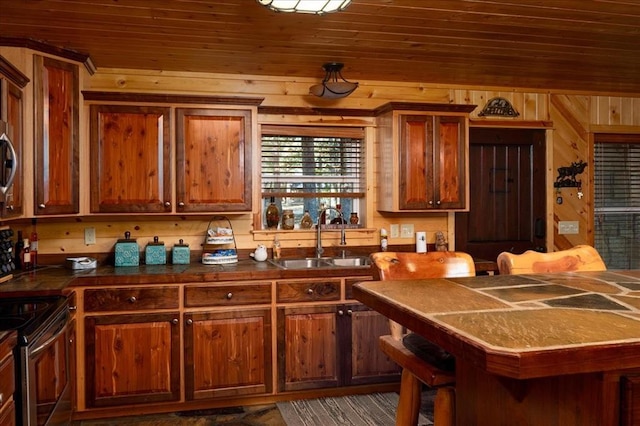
573,45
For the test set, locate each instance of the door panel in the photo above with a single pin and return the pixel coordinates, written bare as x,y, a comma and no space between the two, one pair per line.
507,193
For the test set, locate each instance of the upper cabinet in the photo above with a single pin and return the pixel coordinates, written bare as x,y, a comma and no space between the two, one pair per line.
132,153
56,143
213,155
423,157
130,159
12,82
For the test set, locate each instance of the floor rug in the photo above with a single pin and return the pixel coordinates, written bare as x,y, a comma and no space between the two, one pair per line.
376,409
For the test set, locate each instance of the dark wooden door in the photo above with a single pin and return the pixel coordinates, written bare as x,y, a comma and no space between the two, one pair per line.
507,187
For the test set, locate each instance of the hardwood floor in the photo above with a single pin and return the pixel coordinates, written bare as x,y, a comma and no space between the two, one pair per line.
259,415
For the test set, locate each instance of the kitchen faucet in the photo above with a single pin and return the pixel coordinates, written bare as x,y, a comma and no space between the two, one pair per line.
343,235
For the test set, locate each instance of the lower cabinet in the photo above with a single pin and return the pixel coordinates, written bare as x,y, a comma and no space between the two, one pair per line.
7,380
132,359
179,345
227,353
331,346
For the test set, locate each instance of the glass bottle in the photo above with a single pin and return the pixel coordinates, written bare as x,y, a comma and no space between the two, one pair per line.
353,219
287,220
273,215
17,251
34,244
306,222
26,255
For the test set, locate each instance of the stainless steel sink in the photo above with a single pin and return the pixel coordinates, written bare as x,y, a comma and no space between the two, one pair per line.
350,262
323,262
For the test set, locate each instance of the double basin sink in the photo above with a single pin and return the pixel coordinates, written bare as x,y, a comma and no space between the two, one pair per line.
322,262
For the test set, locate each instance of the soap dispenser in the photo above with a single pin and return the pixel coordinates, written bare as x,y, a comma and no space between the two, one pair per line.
154,253
127,251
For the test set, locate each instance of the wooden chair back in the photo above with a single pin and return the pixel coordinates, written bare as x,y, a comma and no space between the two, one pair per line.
579,258
433,264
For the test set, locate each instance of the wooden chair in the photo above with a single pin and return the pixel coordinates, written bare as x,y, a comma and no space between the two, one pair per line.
421,361
579,258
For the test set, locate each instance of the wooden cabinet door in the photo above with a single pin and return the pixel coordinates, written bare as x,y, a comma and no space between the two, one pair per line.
213,171
432,162
11,112
449,163
308,347
367,363
56,97
227,353
132,359
130,165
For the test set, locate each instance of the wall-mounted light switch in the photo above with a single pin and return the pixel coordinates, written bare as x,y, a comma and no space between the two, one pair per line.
394,230
568,227
406,230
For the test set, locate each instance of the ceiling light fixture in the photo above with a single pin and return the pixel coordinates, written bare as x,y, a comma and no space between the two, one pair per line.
306,6
333,85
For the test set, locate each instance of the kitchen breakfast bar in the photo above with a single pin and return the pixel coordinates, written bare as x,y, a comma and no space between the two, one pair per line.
548,349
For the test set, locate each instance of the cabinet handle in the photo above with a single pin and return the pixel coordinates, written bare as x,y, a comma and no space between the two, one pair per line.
73,308
167,204
189,321
133,299
340,313
41,206
175,321
349,312
1,399
10,207
181,204
309,291
229,295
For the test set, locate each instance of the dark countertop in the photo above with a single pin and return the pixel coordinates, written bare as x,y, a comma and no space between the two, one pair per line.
54,280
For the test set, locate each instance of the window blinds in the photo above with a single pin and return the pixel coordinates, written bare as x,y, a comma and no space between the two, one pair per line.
312,161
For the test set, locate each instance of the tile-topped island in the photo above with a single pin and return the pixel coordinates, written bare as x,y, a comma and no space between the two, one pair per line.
559,349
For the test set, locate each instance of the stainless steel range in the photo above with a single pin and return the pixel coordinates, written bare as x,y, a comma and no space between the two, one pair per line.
42,358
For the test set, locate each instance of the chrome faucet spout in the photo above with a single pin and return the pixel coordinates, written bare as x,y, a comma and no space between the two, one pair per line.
343,234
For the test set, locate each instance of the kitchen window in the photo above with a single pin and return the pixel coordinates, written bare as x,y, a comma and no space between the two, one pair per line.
305,168
617,199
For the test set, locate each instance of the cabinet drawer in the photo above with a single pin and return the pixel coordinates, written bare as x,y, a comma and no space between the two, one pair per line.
307,291
131,299
226,295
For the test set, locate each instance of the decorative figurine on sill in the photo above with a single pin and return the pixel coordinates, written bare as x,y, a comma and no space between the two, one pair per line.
441,243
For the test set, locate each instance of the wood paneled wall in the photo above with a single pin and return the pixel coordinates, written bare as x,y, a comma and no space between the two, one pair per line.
573,117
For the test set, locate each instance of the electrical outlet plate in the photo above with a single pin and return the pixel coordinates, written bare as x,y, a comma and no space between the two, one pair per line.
89,236
406,230
395,230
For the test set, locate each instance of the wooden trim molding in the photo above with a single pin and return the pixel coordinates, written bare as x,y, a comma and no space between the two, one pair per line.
422,106
342,112
172,99
53,50
12,73
520,124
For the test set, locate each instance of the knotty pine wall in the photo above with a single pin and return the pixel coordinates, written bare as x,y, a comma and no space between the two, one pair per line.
569,119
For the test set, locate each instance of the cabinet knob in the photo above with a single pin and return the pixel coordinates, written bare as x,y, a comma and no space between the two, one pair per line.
10,207
430,203
167,204
73,308
175,321
340,312
133,299
181,204
349,312
189,321
41,206
229,295
438,202
309,291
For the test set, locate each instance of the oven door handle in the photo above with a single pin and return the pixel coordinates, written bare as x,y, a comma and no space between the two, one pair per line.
50,340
